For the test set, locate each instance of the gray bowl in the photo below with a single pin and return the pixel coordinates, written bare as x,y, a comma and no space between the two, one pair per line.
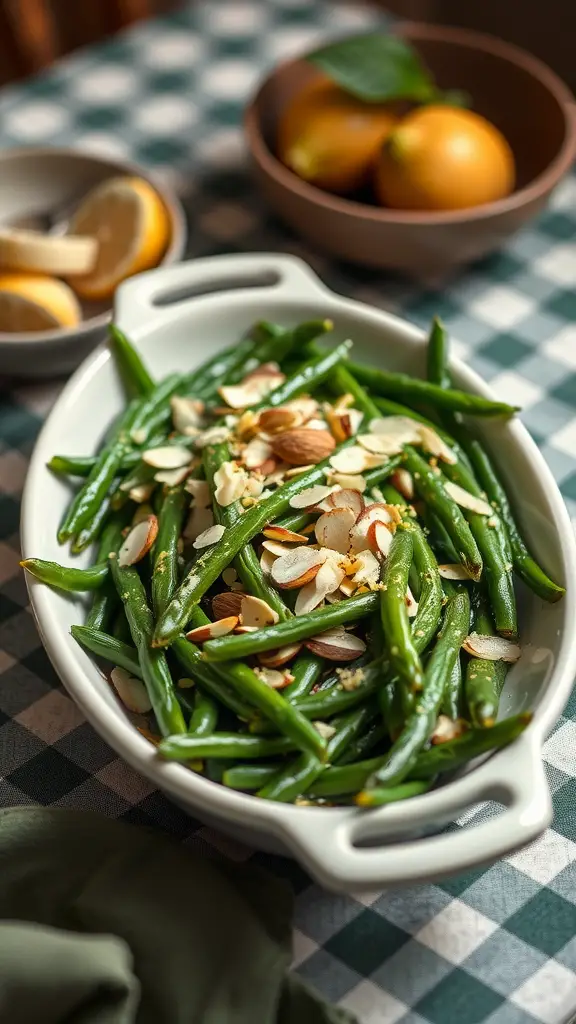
40,184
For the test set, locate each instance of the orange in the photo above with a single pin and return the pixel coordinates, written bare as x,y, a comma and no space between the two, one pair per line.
130,223
330,138
34,302
444,158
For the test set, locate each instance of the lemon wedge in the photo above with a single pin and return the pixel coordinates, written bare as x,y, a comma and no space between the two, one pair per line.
130,223
35,302
46,254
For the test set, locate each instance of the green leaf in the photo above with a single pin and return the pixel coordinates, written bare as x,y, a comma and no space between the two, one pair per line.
375,68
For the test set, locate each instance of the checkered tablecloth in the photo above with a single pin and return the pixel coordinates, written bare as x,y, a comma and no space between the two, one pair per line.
496,945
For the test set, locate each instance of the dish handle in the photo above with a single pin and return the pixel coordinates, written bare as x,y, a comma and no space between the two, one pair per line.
515,777
149,296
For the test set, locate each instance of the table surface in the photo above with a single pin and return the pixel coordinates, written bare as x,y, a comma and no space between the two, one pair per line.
497,944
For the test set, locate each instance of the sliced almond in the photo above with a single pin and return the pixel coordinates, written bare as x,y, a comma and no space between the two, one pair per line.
281,656
131,691
343,423
433,443
366,568
239,396
142,513
256,612
447,729
336,645
453,571
247,425
172,477
333,529
347,587
200,491
280,533
139,435
303,445
346,498
297,567
325,730
273,678
256,453
398,430
229,575
305,406
377,444
491,648
254,387
212,629
403,482
411,604
198,521
209,537
213,435
276,548
273,421
310,496
139,541
227,604
141,492
267,559
186,414
327,581
347,481
230,481
350,460
376,512
467,500
297,470
168,456
379,538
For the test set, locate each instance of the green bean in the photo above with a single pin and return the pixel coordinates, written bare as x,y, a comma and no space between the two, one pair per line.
135,376
249,777
420,723
404,659
412,389
121,627
296,522
484,679
524,564
442,758
452,700
308,377
335,701
231,648
306,671
155,410
439,537
387,795
89,533
64,577
380,473
297,776
344,382
105,600
233,746
208,567
216,686
430,488
437,355
363,744
165,558
205,715
72,465
106,646
91,495
155,671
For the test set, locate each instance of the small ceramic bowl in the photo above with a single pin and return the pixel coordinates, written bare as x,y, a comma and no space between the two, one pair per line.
515,91
37,184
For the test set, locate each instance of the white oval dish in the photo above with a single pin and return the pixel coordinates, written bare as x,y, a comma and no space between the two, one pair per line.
179,315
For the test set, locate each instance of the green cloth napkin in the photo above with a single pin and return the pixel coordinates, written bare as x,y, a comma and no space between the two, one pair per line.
105,923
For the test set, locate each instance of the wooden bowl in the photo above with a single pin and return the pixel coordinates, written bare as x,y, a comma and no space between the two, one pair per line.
520,95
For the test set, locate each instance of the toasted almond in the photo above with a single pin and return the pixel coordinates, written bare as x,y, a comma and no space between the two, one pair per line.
256,453
447,729
366,568
267,559
139,541
172,477
168,456
403,482
347,481
347,587
336,645
273,678
131,691
280,533
239,396
186,413
271,471
310,496
303,445
297,470
141,492
213,435
467,500
230,481
246,629
376,512
433,443
281,656
326,581
256,612
347,497
200,491
212,629
491,648
377,444
379,538
276,548
317,424
398,430
255,386
306,407
350,460
333,529
325,730
297,567
453,571
247,425
229,575
273,421
209,537
411,604
343,423
226,604
198,521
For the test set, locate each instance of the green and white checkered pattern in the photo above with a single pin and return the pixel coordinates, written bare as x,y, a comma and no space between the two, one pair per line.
497,945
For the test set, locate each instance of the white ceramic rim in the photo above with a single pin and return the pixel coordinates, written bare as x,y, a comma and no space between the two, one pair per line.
173,253
324,839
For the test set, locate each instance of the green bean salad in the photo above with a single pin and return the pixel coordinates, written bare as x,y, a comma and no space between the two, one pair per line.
303,580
